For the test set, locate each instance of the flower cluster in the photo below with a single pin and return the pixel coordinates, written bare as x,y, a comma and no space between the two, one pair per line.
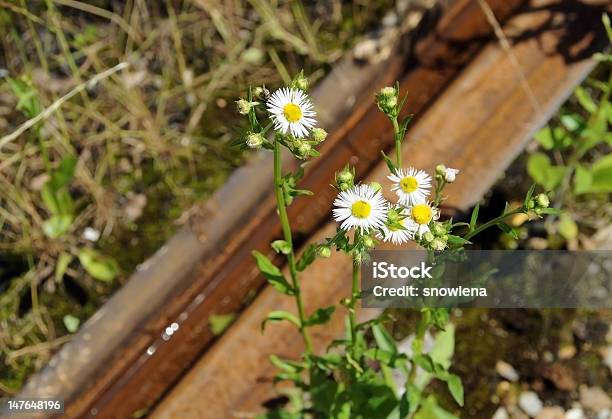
413,217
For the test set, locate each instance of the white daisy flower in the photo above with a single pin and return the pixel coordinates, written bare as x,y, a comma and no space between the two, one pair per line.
360,207
411,185
419,217
292,112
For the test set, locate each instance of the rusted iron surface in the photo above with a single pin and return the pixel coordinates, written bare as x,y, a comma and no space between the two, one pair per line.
479,124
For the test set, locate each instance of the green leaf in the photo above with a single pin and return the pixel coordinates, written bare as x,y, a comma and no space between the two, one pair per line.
585,100
567,227
383,339
62,176
582,180
61,266
458,240
431,410
307,257
281,246
456,388
391,359
601,172
390,163
273,274
528,196
321,316
219,323
509,230
542,172
286,365
474,217
424,361
71,323
100,267
57,225
278,316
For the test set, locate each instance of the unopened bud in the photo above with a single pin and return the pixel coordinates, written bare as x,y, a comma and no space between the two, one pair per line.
303,149
244,106
319,135
440,169
368,242
387,92
344,176
261,92
344,186
438,244
300,82
428,237
438,229
393,216
542,200
254,140
324,251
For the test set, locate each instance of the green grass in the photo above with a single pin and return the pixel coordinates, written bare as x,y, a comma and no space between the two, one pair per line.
148,142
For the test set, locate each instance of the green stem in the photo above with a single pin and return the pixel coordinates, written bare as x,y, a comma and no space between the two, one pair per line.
493,222
354,293
284,219
398,142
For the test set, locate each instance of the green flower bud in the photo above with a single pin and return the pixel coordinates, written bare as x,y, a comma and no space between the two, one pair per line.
344,186
428,237
542,200
386,100
376,186
244,106
387,92
319,135
344,176
260,92
438,229
300,82
368,242
303,149
440,169
393,216
531,204
438,244
324,251
254,140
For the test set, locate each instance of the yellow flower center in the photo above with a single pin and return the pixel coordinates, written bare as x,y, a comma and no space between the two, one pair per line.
409,184
361,209
292,112
422,213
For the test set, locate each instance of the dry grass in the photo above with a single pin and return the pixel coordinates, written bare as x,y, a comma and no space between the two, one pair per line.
148,141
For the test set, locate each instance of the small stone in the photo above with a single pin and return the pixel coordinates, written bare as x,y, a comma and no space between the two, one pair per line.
516,413
530,403
551,412
575,413
605,414
91,234
594,398
567,352
506,371
500,413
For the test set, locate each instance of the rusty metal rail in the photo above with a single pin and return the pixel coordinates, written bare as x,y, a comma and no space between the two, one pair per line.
133,351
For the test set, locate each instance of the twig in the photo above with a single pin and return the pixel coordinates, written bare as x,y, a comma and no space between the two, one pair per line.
58,103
